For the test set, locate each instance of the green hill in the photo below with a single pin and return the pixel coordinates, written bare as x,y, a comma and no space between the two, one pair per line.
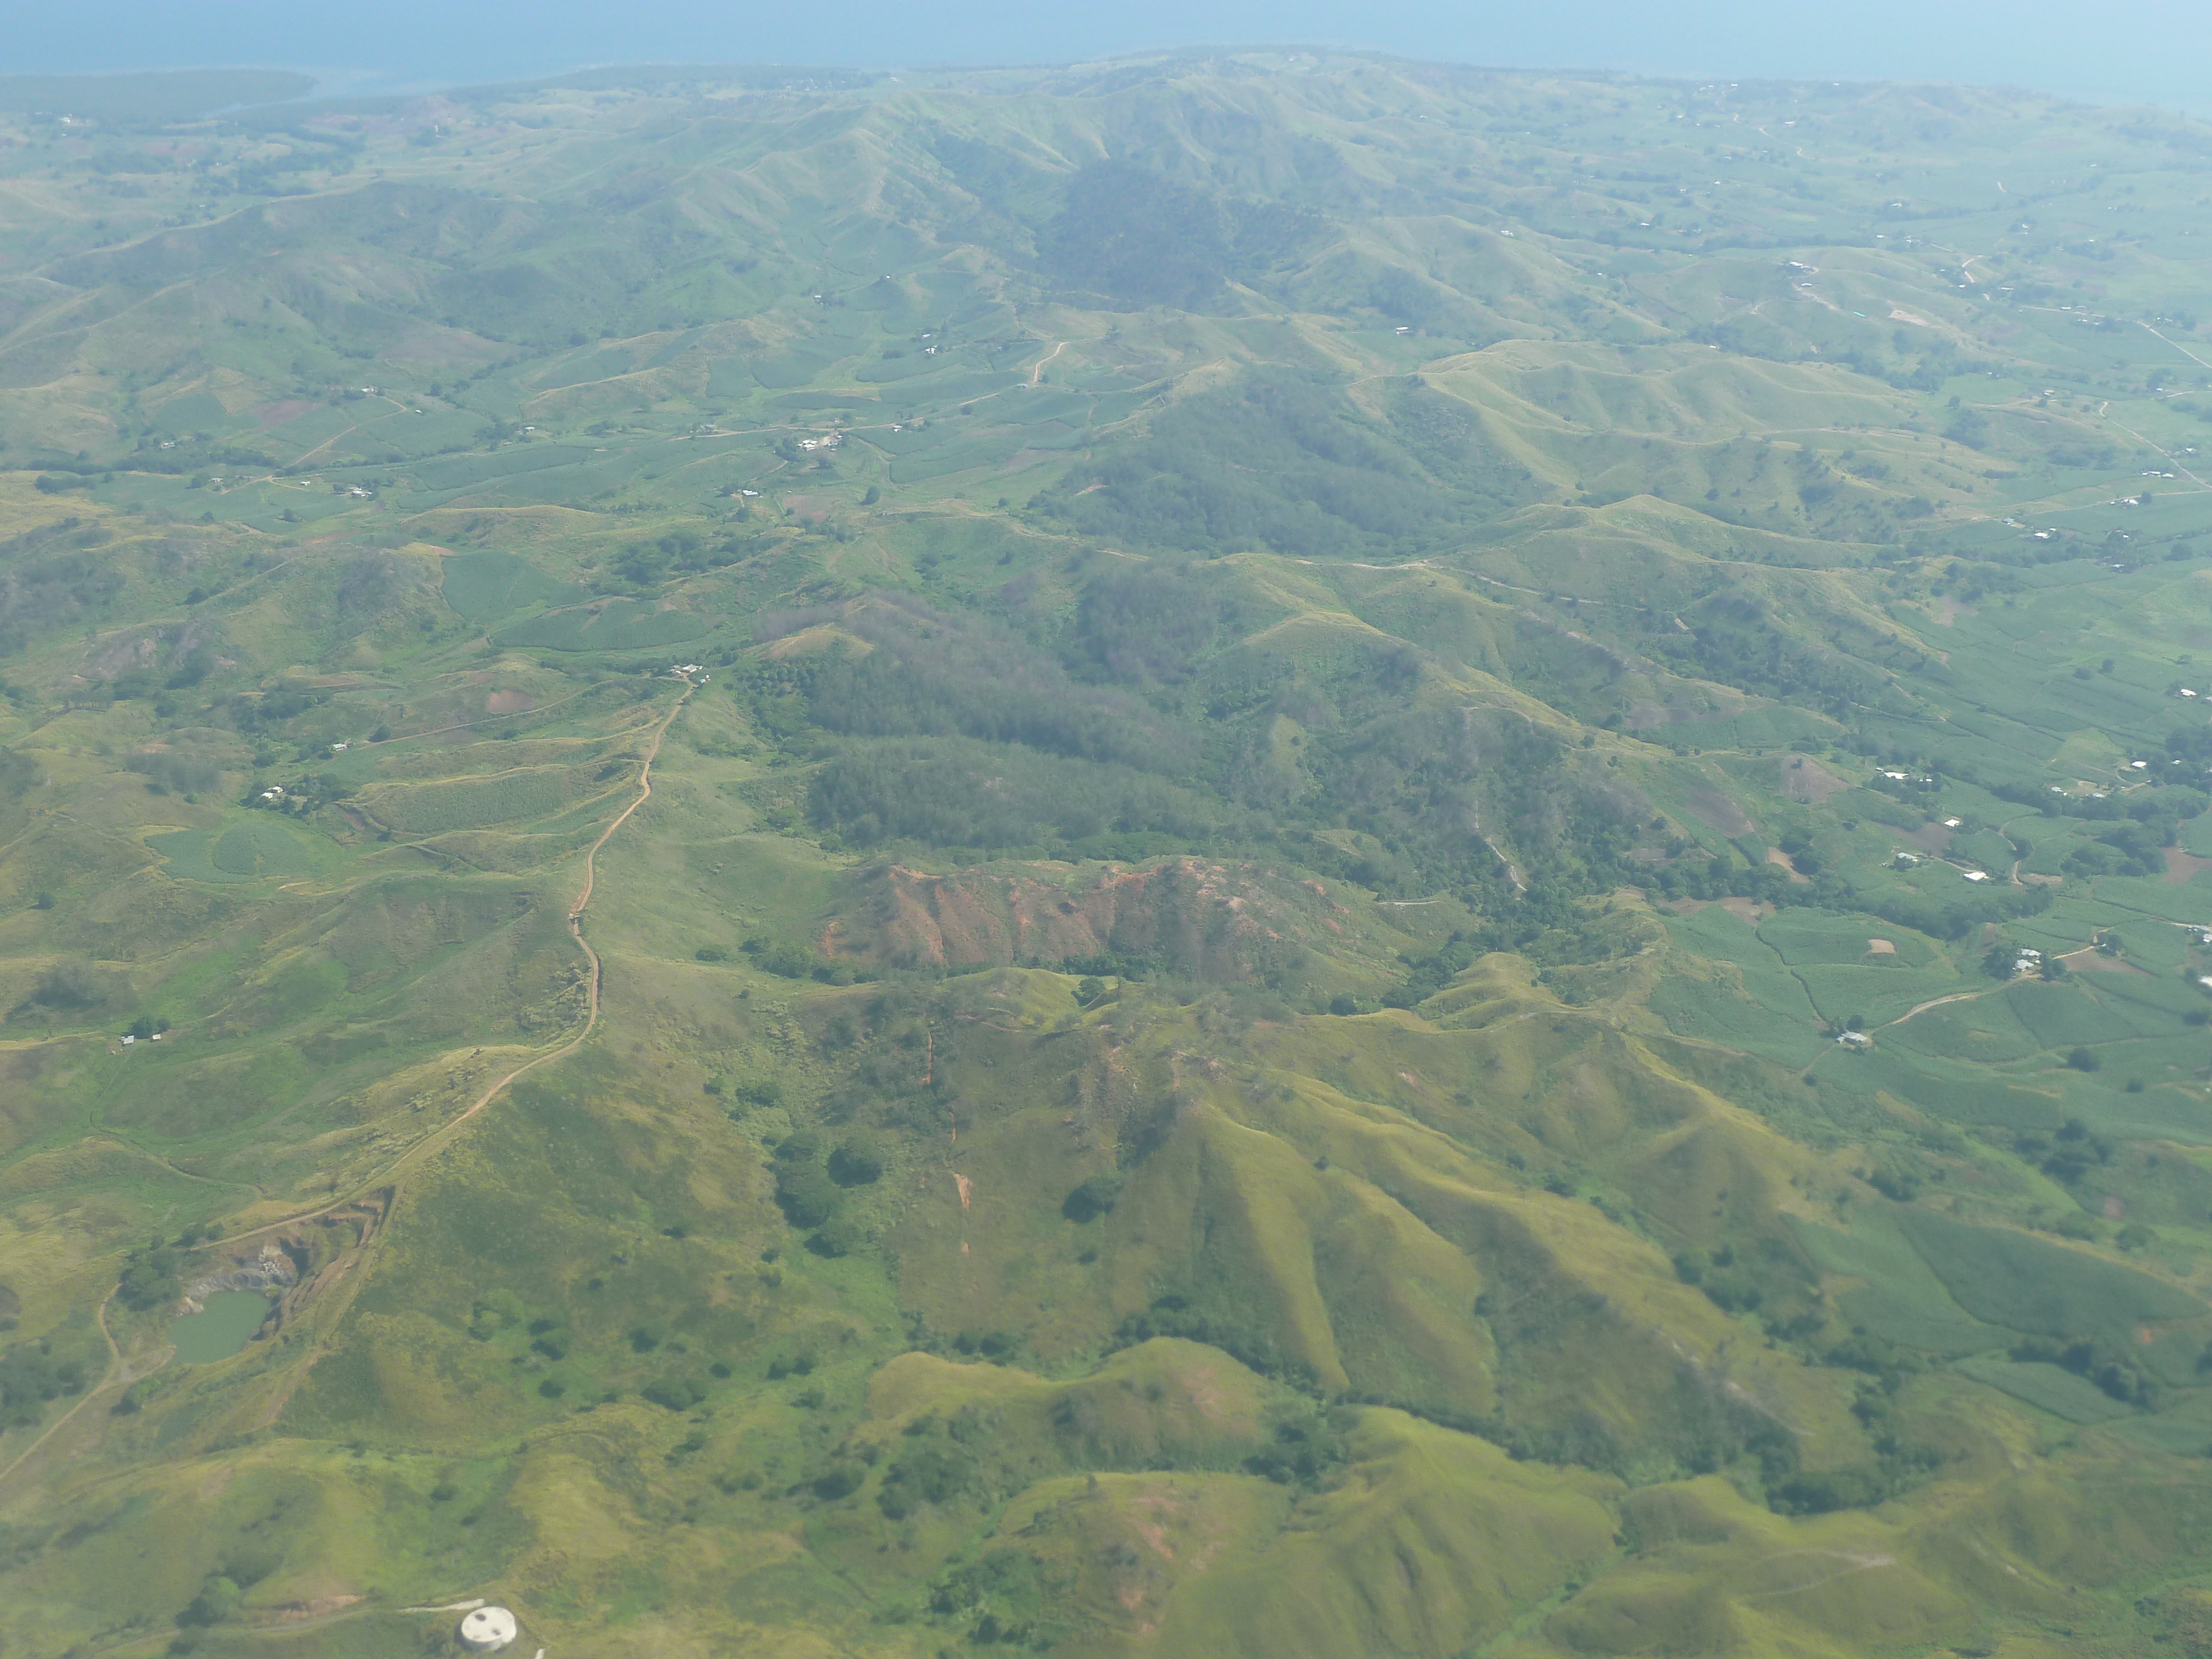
1232,853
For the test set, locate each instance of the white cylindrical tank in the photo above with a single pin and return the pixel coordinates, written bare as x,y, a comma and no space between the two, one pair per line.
487,1629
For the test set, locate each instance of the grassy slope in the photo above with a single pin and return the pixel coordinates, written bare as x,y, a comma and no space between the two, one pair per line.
1519,1322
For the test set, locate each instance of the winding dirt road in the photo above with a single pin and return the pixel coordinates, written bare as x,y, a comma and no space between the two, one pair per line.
118,1372
431,1143
115,1371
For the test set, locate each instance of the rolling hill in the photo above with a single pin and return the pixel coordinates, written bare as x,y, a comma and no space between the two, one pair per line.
1237,853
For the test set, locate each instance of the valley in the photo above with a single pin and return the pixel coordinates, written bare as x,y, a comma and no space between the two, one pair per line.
1224,853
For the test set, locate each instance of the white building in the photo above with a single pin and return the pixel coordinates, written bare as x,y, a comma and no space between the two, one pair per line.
487,1630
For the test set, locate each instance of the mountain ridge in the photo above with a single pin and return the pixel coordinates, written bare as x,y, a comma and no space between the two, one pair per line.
1413,882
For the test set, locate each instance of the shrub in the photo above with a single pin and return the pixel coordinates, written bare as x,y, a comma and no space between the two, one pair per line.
2083,1060
149,1277
806,1193
1092,1198
929,1473
859,1162
784,960
29,1377
71,987
841,1234
217,1600
676,1393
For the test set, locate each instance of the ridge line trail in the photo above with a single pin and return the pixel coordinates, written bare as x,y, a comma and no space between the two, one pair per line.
114,1364
431,1143
438,1138
1955,996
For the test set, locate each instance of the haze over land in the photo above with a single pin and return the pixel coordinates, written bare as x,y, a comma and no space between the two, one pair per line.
1254,853
2148,52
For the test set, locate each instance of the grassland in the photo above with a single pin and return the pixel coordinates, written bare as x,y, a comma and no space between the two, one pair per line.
1302,975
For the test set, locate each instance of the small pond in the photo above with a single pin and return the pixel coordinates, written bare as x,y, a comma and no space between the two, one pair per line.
230,1319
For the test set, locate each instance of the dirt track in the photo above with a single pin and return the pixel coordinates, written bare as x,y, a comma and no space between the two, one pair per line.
117,1371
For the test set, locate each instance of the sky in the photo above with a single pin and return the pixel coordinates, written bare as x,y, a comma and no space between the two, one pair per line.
2155,51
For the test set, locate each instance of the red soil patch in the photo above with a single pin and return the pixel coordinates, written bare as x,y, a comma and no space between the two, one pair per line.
1716,812
1804,778
2096,962
290,409
1209,918
1205,1393
321,1607
2180,865
508,702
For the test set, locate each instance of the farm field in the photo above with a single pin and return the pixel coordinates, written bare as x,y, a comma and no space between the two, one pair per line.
1229,853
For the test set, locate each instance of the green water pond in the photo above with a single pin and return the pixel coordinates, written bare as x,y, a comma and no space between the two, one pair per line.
227,1324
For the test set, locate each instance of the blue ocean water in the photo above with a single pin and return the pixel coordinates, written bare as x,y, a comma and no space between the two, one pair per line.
2150,51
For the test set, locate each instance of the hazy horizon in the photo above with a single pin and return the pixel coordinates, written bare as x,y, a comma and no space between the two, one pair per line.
2151,57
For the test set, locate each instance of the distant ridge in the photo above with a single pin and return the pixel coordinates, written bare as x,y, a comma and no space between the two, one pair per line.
152,98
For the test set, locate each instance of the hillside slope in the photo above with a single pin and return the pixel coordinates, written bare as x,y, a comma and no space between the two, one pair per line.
1229,854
